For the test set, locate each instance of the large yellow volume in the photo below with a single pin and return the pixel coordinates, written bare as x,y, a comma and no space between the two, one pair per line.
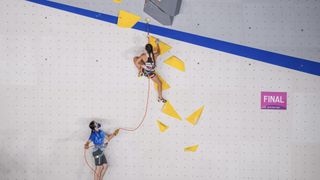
194,117
117,1
165,85
163,46
175,62
191,148
168,109
126,19
162,126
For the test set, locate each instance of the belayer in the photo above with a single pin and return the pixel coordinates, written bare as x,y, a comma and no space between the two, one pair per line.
100,140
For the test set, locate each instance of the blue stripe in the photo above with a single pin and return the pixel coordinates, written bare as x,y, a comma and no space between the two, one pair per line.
302,65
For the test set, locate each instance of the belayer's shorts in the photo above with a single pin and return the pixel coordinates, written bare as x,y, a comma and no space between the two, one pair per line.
99,157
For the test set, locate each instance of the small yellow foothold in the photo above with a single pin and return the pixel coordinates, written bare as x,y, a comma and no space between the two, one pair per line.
168,109
163,46
117,1
191,148
165,85
175,63
162,126
194,117
126,19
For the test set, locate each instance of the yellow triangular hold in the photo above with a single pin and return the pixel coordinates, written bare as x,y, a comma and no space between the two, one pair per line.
162,126
191,148
175,62
165,85
163,46
168,109
126,19
194,117
117,1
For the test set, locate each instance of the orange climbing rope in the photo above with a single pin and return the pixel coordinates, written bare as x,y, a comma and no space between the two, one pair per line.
85,158
145,112
124,129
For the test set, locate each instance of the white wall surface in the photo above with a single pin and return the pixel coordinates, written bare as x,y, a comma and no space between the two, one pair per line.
59,71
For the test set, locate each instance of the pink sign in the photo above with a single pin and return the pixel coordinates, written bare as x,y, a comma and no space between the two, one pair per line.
274,100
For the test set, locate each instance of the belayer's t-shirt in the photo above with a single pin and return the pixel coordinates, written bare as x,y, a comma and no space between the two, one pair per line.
97,137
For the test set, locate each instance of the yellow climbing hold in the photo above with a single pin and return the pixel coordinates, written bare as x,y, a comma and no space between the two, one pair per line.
191,148
162,126
168,109
163,46
175,62
126,19
165,85
194,117
117,1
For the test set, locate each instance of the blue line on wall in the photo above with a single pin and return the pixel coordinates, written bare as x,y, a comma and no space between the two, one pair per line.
303,65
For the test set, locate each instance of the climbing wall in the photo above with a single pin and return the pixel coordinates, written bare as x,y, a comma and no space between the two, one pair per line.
59,71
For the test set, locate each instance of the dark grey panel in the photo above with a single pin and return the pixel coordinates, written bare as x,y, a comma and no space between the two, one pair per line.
170,7
155,12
